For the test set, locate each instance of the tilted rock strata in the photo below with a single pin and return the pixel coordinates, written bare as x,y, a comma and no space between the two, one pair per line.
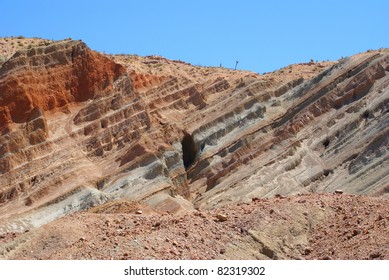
39,86
85,130
330,133
52,76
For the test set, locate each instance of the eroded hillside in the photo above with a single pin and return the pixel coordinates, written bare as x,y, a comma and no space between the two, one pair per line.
314,226
80,129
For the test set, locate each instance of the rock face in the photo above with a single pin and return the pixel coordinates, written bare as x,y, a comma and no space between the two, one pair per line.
36,84
79,129
50,77
327,133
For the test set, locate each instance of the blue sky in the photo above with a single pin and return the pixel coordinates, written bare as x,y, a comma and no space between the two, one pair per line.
262,35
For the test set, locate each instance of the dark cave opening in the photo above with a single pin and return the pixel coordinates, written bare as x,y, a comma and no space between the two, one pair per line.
189,150
366,114
326,143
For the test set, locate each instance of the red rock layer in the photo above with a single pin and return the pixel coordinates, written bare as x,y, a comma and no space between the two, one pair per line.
52,77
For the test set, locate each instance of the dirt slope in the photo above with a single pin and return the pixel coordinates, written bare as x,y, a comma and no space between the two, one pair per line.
313,226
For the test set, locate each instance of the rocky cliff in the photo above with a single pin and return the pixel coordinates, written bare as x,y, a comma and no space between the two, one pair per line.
79,129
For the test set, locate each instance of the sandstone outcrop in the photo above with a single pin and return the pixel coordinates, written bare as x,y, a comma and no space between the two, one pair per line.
327,133
79,129
52,76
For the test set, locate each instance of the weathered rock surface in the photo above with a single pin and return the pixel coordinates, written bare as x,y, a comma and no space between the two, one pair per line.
328,133
79,129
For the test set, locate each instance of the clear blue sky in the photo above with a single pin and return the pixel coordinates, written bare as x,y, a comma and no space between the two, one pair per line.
262,35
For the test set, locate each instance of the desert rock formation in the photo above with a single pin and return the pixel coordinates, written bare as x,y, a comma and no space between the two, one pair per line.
81,129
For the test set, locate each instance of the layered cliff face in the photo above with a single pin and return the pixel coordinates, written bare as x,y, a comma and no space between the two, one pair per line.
324,134
40,157
52,76
80,129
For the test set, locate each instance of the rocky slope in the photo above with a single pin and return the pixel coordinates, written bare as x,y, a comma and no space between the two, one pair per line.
80,129
299,227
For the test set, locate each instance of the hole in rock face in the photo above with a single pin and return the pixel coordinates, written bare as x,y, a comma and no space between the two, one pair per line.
189,150
326,142
366,114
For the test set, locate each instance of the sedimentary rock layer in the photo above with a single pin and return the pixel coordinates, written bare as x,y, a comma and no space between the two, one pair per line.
79,128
